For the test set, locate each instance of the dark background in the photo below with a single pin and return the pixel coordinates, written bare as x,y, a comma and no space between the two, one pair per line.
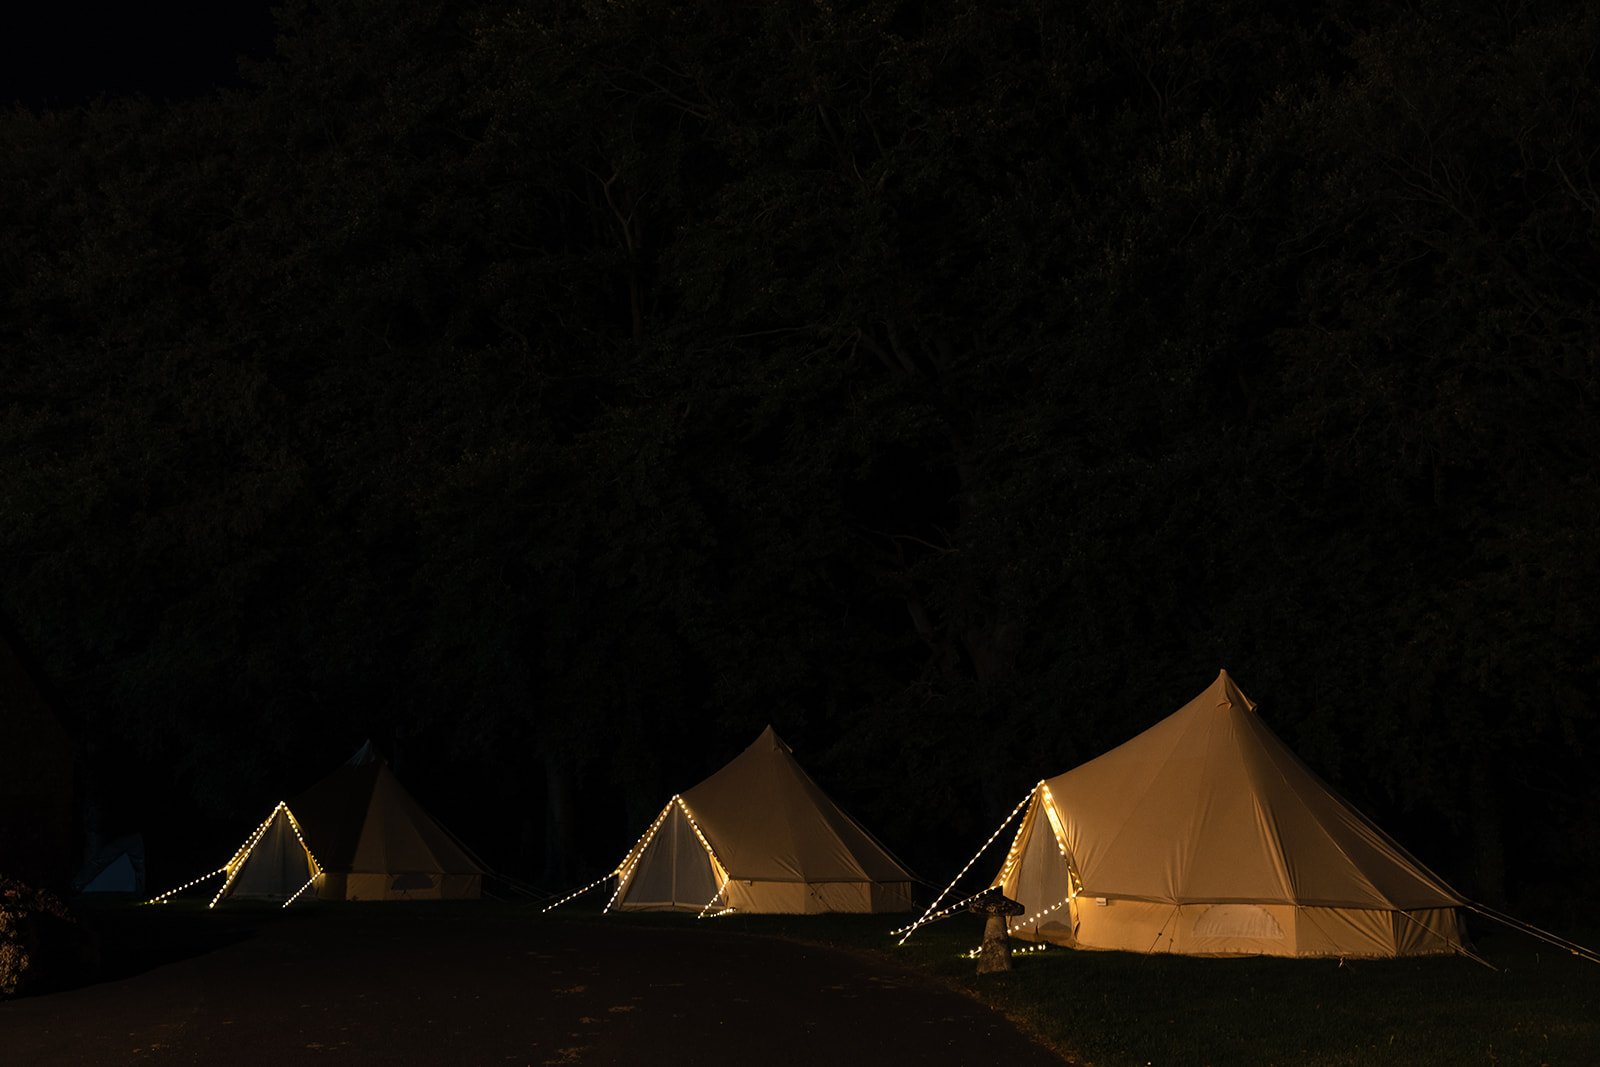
559,394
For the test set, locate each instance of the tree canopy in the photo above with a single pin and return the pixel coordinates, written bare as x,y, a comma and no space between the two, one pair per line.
561,392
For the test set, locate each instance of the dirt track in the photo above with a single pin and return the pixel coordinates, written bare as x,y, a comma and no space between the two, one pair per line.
367,986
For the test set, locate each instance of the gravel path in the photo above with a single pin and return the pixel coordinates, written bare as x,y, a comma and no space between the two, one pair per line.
366,987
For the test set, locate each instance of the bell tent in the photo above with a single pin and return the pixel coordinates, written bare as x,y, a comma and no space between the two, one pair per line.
759,836
1205,835
375,842
355,835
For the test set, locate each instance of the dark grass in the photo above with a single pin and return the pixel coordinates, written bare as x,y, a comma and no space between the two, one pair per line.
1541,1006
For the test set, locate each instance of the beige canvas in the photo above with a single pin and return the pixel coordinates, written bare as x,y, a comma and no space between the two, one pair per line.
375,842
766,838
273,865
1206,835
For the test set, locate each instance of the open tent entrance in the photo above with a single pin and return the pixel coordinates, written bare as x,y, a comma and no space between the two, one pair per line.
274,864
672,868
1038,873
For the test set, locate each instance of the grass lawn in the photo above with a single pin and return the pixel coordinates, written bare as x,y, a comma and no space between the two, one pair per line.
1541,1007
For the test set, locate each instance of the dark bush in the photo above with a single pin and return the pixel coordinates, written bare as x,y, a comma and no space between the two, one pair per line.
42,945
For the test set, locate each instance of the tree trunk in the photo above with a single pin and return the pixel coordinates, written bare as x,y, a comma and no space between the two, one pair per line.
560,833
1488,834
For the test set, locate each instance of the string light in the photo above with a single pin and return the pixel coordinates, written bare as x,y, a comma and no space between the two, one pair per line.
635,855
236,864
309,883
578,893
173,892
631,860
240,855
926,916
713,901
949,909
975,953
1041,914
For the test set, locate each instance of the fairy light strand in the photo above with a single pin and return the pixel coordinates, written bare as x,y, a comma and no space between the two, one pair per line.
909,930
631,861
309,883
575,894
242,854
705,911
162,897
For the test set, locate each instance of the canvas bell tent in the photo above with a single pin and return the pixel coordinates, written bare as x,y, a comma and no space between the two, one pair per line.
375,842
758,836
1205,835
355,835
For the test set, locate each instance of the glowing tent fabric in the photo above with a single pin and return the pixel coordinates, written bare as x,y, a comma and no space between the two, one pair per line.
273,864
760,836
355,835
1205,835
375,842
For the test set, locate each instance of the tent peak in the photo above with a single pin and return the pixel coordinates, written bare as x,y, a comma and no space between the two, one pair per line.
364,755
1228,693
769,739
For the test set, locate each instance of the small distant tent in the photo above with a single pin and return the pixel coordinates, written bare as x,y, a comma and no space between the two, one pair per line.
116,867
355,835
375,842
1205,835
759,836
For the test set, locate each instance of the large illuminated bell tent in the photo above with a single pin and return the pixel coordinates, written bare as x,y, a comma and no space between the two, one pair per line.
757,837
355,835
1205,835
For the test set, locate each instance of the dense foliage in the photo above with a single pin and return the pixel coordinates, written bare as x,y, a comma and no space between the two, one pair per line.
42,944
560,392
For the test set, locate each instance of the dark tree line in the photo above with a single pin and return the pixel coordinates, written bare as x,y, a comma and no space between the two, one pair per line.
560,393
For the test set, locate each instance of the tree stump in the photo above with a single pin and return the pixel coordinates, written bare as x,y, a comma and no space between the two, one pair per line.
994,955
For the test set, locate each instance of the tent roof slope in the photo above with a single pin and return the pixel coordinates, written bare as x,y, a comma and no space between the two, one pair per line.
360,818
767,820
1208,805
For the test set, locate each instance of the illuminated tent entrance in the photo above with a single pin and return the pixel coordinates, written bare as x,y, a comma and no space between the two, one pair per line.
274,863
356,835
1205,835
759,836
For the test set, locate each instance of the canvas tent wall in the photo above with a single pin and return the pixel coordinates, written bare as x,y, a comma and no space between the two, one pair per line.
760,836
274,863
375,842
1205,835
